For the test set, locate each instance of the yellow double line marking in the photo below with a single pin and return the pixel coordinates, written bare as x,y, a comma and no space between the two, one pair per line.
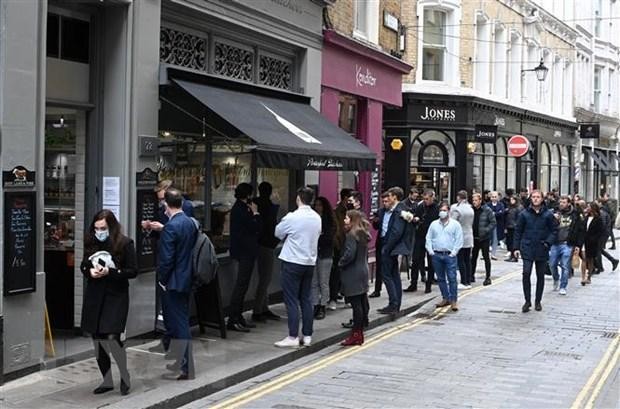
598,378
303,372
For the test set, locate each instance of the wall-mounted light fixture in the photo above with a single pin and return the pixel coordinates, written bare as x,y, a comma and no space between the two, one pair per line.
540,71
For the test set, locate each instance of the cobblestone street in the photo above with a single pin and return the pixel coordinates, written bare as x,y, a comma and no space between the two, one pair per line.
487,355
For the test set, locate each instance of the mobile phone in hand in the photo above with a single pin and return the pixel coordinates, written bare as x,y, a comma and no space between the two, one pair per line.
101,263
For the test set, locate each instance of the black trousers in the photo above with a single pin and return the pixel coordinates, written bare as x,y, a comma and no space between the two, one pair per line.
334,278
464,262
360,306
510,239
541,267
598,261
417,264
244,275
484,246
106,344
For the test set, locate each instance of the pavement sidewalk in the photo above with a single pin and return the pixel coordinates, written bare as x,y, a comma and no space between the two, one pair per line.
219,363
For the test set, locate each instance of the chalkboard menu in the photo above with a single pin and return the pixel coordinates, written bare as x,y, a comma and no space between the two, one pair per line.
19,242
146,240
374,191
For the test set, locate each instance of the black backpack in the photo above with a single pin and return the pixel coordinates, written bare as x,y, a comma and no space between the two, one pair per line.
204,261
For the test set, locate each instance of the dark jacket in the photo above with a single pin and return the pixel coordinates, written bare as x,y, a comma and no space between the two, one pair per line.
106,300
607,224
571,228
427,215
269,216
535,234
511,216
354,266
486,223
175,253
500,214
592,240
245,229
341,211
397,240
327,237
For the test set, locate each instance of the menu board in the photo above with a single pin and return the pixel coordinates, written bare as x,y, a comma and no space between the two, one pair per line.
374,191
19,242
146,240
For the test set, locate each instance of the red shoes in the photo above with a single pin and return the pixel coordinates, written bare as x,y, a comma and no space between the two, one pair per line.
356,338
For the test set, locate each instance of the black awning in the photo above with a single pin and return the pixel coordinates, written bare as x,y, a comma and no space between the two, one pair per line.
288,135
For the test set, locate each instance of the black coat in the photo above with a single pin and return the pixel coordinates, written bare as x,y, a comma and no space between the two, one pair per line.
354,266
593,237
245,229
106,299
535,234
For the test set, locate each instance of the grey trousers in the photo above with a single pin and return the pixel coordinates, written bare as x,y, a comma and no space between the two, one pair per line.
320,281
265,271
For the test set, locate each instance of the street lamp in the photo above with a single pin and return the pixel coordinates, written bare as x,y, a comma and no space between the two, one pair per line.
541,71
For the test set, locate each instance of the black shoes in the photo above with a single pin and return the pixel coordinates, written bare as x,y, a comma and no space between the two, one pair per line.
538,306
411,289
159,348
319,312
427,290
259,318
487,281
177,376
350,324
388,310
374,294
614,264
247,324
125,388
269,315
237,326
102,389
526,307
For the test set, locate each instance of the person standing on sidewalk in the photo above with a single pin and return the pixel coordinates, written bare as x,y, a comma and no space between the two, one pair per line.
514,208
334,277
570,239
394,243
443,242
109,262
536,232
174,276
267,242
483,226
497,235
426,212
320,278
463,213
607,229
245,227
300,231
354,273
612,214
377,222
592,241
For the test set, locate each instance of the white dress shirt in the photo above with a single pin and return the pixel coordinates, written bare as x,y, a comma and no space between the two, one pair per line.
300,231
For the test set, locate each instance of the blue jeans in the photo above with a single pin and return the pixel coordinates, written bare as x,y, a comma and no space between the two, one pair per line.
445,270
296,282
494,242
560,254
391,279
177,322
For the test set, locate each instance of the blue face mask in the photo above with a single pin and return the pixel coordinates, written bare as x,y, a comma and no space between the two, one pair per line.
443,214
102,235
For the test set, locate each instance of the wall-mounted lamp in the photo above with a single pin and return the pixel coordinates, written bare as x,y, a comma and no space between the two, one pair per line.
471,147
402,38
540,71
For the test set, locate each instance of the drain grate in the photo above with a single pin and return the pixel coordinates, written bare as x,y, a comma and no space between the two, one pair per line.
610,334
502,312
557,354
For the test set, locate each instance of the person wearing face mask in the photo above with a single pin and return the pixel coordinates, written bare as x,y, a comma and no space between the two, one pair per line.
109,262
443,242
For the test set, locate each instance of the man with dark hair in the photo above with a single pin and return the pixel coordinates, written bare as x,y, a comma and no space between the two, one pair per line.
604,199
355,200
535,233
334,278
483,226
300,231
571,232
267,243
245,225
463,213
377,223
607,228
426,212
174,276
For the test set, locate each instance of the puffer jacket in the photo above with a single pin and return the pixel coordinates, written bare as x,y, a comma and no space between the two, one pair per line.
486,224
536,232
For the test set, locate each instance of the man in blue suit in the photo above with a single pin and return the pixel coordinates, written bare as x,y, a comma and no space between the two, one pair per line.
395,241
174,276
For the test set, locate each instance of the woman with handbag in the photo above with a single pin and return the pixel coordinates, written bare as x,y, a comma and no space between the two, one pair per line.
594,230
109,263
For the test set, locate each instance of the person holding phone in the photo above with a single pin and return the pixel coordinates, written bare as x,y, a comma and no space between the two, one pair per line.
109,262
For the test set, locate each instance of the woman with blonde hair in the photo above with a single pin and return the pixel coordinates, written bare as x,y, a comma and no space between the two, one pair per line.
354,272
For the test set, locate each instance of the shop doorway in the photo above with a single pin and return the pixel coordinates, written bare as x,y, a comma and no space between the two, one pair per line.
65,135
438,179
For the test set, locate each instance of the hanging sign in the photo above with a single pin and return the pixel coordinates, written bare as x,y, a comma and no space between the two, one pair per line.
589,131
19,176
518,145
485,133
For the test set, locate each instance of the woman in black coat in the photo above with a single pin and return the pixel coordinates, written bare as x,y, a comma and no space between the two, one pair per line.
594,230
354,272
109,262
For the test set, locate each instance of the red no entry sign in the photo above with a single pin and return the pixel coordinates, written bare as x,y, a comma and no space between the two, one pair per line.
518,145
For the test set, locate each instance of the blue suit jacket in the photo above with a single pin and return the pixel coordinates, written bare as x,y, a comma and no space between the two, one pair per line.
175,253
397,240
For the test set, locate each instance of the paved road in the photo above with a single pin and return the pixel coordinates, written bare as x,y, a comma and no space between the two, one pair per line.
487,355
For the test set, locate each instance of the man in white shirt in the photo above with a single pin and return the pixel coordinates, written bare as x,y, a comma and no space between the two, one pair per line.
443,242
300,231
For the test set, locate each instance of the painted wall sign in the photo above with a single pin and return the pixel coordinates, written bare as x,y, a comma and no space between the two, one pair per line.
19,176
499,121
364,77
374,191
146,179
518,145
324,163
485,133
19,242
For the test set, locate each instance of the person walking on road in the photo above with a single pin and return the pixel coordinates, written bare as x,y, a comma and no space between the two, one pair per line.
535,233
592,241
463,213
443,242
483,226
109,262
300,231
607,229
174,275
320,278
570,239
354,273
514,208
497,234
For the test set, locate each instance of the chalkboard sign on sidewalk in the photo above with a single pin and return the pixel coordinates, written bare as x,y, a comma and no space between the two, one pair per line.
19,242
146,240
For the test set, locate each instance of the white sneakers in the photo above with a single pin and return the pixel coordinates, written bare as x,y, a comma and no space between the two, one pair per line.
293,342
562,291
331,305
463,286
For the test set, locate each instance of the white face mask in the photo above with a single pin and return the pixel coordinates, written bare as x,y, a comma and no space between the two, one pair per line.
102,235
443,215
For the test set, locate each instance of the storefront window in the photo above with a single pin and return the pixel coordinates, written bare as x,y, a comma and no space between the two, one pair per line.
489,166
477,173
347,114
500,151
555,168
565,171
511,173
543,182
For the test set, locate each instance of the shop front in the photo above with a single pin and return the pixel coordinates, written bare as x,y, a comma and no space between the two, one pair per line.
449,144
357,82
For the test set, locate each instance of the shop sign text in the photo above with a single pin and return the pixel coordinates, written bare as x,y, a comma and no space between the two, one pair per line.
364,78
434,114
324,163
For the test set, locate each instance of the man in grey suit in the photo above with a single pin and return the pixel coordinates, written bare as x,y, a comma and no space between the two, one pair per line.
464,214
